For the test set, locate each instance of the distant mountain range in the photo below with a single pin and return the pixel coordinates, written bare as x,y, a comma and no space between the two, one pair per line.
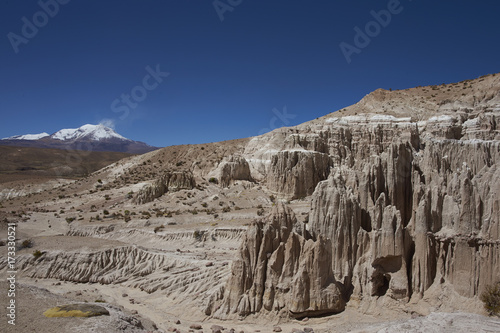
88,137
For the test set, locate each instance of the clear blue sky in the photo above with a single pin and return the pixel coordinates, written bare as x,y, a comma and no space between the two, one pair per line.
226,77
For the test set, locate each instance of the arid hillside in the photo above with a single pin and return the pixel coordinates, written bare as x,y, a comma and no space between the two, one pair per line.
363,219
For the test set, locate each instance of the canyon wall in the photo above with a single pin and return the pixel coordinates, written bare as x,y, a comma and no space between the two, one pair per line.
399,204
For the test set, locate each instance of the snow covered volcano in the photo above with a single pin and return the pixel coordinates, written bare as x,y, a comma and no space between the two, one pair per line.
87,137
92,132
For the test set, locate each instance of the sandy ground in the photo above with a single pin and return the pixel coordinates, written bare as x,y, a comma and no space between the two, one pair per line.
32,301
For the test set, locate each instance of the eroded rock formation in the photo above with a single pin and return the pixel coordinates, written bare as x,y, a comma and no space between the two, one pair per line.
294,174
170,181
234,168
399,204
280,269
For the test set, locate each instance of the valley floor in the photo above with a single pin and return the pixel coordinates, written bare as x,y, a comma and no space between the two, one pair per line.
162,271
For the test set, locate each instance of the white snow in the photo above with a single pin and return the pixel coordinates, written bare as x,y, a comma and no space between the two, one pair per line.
95,132
28,137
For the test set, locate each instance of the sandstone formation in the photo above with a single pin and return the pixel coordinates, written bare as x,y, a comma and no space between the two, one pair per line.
279,269
412,201
294,174
233,168
170,181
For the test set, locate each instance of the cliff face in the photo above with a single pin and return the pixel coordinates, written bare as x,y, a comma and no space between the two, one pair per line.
400,203
233,168
279,269
170,181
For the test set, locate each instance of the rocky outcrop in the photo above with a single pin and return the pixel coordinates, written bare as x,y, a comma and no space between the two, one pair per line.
234,168
295,174
422,211
170,181
279,270
400,205
179,180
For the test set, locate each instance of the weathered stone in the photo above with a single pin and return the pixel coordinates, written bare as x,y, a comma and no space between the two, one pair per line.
216,328
400,203
196,327
233,168
170,181
295,174
280,269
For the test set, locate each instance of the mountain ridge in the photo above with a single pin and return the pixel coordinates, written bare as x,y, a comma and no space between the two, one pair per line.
87,137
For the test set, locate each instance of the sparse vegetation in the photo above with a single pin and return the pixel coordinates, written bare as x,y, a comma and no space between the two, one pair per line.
159,228
198,235
37,254
213,180
27,243
491,299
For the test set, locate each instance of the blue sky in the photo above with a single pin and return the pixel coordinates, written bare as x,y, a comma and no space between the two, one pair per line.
225,77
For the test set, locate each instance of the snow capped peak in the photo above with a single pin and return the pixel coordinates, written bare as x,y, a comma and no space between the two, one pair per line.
87,137
88,131
28,136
